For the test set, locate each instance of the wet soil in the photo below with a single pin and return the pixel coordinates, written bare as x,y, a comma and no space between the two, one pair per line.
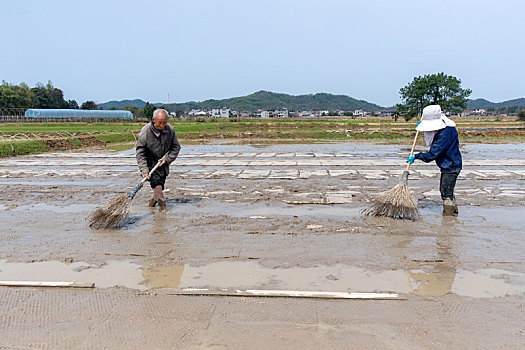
264,217
61,144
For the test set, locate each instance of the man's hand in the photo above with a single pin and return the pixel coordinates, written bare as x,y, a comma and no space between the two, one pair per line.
162,161
146,176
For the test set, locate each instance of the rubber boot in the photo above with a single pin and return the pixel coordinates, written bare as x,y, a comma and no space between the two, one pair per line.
152,202
450,208
162,205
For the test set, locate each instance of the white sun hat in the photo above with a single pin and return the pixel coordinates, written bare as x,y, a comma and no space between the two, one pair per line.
434,119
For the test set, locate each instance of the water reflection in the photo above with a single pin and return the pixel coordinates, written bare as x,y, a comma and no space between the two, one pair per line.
436,283
160,221
441,279
162,276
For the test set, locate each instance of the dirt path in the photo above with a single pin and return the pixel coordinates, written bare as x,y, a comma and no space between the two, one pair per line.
264,217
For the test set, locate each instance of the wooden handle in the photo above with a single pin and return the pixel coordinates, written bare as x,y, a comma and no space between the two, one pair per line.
413,146
155,167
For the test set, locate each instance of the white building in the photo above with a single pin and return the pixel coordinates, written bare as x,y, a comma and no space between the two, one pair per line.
263,114
359,113
197,113
306,114
220,113
281,113
480,111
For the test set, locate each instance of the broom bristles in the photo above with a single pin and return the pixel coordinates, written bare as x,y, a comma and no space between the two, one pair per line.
396,203
110,214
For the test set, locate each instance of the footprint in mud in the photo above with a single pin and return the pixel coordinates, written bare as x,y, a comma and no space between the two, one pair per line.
182,200
131,220
429,204
170,203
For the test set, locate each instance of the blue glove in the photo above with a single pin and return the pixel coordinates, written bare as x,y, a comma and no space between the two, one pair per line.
419,122
411,159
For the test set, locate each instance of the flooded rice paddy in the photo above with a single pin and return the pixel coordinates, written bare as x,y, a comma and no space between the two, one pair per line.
279,217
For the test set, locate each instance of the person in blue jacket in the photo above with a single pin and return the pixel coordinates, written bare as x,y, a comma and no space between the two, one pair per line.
442,137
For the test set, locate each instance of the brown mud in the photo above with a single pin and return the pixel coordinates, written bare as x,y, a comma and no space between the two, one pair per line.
264,217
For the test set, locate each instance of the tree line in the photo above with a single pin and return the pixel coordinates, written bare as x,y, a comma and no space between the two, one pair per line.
50,97
40,96
439,88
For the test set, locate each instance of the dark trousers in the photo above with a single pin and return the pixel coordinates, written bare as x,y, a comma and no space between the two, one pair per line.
447,184
156,180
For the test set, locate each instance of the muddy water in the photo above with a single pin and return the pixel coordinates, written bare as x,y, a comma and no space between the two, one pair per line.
268,217
430,281
270,213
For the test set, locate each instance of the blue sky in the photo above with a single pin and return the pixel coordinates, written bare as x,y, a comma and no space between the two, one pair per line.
202,49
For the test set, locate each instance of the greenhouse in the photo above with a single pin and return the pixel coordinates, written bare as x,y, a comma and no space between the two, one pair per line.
76,114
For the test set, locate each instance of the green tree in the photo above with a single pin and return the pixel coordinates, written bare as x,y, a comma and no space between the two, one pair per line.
56,99
444,90
521,115
148,110
6,94
40,96
130,108
15,96
72,104
89,105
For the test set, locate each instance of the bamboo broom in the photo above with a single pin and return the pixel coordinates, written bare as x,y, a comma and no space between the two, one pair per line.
398,202
116,210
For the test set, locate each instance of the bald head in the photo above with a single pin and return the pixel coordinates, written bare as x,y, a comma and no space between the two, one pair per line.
160,119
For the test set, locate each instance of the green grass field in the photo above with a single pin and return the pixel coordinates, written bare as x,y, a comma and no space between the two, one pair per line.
27,138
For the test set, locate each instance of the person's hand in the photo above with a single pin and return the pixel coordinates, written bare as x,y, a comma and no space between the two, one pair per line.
411,159
162,161
146,176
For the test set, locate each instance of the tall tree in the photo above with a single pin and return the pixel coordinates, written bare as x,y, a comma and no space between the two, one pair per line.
89,105
6,94
41,96
148,110
56,99
15,96
72,104
444,90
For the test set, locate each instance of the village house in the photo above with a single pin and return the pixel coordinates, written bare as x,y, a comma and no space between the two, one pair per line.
197,113
359,113
306,114
280,113
220,113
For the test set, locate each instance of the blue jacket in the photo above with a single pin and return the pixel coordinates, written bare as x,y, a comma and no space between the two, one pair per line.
444,150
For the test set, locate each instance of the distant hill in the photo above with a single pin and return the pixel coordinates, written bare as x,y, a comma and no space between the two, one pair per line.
120,104
481,103
271,100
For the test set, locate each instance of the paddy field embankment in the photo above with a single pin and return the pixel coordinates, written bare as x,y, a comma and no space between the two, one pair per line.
33,138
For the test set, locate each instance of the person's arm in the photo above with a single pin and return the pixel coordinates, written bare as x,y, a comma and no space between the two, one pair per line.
440,144
174,149
141,154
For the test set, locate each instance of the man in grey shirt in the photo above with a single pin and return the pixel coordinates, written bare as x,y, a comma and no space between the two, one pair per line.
155,140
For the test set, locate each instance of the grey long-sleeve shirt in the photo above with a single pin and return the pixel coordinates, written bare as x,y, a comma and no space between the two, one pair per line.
153,144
